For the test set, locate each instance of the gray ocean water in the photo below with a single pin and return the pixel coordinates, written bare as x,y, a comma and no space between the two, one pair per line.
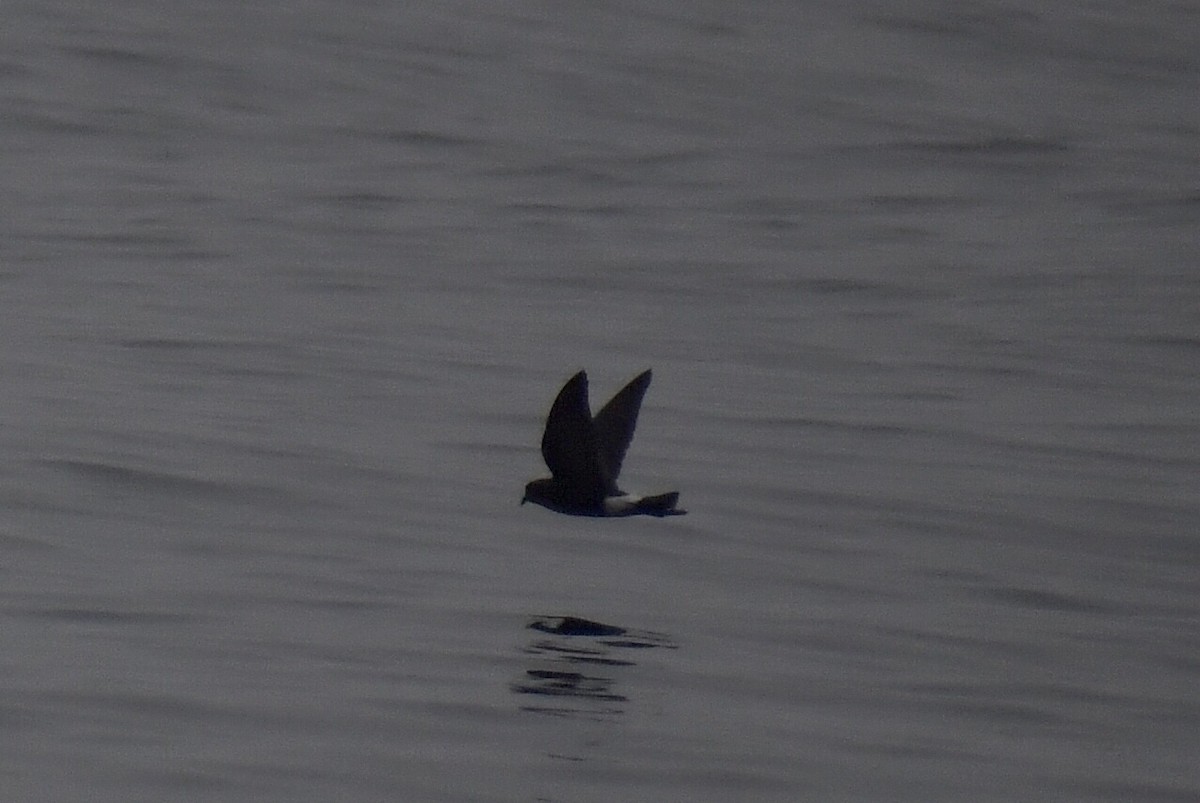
286,291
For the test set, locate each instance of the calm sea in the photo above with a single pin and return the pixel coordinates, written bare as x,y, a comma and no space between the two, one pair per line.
287,289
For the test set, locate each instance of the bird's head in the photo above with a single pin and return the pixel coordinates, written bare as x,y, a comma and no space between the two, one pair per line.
535,491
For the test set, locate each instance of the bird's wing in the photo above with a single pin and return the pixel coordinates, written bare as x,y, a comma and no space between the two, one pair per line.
615,424
569,443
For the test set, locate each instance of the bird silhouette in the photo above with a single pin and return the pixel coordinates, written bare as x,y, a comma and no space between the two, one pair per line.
584,455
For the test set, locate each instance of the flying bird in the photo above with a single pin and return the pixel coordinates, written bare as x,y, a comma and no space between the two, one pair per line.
584,455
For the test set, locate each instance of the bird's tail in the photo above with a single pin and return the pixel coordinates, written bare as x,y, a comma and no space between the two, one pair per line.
660,505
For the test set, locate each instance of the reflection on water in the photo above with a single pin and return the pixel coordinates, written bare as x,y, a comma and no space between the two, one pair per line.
579,665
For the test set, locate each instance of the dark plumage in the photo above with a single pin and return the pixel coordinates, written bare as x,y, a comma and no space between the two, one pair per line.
584,455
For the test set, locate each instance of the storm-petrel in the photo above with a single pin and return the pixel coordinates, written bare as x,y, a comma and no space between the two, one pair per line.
584,455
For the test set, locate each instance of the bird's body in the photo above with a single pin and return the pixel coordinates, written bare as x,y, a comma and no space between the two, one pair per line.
584,455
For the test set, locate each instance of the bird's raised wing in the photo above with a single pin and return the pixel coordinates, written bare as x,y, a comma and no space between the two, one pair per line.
569,442
614,426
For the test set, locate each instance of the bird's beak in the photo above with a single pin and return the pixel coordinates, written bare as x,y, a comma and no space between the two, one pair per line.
524,499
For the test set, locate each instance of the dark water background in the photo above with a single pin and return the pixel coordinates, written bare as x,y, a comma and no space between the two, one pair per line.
286,290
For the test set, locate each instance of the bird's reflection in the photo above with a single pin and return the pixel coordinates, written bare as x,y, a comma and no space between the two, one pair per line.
578,665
